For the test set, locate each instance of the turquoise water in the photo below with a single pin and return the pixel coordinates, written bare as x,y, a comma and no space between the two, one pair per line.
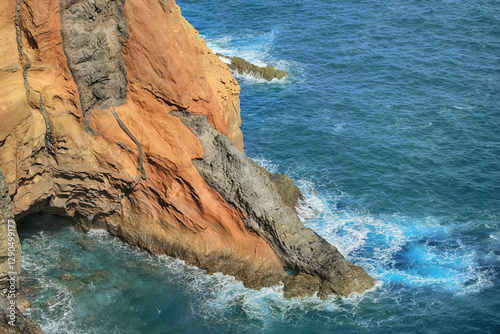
390,124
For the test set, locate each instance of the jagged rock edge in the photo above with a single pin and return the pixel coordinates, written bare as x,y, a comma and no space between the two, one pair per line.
318,263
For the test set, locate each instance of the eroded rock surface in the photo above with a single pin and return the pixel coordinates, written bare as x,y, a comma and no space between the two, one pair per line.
94,33
249,189
12,298
10,247
87,88
23,324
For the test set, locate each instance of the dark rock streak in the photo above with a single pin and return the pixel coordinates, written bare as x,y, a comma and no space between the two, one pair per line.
94,32
246,186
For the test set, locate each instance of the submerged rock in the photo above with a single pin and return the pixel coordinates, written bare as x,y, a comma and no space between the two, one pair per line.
68,277
241,66
97,277
78,289
88,245
70,265
33,289
123,285
133,264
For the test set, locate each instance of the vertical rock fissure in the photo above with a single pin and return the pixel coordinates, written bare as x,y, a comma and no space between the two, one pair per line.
140,162
26,64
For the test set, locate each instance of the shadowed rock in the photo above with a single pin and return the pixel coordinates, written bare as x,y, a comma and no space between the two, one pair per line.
22,323
8,229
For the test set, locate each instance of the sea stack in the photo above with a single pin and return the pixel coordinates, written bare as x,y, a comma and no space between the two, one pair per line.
117,114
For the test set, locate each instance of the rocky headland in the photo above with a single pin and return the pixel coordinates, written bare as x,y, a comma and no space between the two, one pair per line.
117,114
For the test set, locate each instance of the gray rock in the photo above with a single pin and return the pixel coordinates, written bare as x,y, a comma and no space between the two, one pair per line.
123,285
93,35
88,245
33,290
245,185
70,265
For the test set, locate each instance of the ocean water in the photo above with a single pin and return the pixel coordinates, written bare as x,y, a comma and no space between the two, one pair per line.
390,124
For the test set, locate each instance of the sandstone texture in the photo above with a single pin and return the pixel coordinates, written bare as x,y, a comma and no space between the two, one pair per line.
117,114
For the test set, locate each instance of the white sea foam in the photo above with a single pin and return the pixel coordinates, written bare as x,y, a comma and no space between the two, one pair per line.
218,293
59,314
397,250
254,49
265,163
416,252
251,78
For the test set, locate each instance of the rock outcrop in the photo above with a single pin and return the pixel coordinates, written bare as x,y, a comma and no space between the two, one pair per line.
241,66
250,190
87,91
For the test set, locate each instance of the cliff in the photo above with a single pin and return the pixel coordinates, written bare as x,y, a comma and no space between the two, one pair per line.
117,114
13,302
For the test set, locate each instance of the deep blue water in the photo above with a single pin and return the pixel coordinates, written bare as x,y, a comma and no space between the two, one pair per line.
390,124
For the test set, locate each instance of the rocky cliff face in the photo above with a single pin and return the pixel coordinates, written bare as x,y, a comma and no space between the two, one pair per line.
87,91
10,248
12,298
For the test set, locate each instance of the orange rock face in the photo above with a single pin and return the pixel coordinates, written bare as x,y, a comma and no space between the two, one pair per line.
58,167
96,97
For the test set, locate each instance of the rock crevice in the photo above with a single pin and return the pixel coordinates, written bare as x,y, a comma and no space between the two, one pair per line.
26,63
140,165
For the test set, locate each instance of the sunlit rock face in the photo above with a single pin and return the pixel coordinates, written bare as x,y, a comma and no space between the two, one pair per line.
95,98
